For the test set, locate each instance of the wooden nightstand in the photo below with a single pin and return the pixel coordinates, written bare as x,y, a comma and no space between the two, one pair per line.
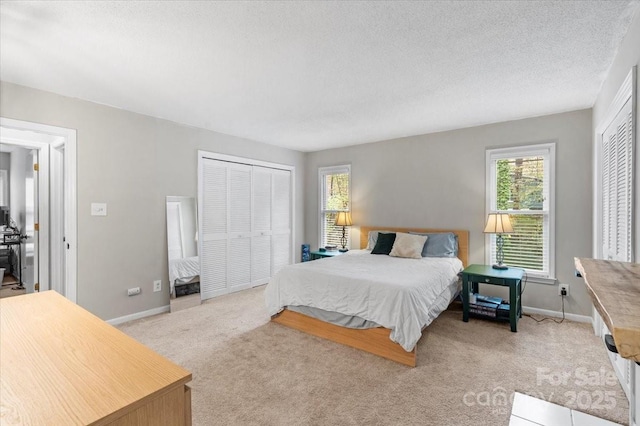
474,275
320,254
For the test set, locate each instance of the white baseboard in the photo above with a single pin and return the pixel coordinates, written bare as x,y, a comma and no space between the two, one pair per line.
138,315
555,314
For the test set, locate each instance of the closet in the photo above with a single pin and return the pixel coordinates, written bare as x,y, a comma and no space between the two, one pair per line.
245,226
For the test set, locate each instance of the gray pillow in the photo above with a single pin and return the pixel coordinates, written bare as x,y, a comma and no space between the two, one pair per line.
440,244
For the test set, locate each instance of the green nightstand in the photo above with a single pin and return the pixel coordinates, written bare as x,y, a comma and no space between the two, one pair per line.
474,275
320,254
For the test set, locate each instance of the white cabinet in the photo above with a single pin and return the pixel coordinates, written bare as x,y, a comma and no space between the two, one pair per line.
245,226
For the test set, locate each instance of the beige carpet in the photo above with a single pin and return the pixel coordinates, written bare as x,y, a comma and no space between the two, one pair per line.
248,371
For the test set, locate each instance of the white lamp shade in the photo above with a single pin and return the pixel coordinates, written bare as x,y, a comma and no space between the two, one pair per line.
498,223
344,219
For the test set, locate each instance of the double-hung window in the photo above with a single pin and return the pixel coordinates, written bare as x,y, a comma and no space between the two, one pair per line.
335,192
520,182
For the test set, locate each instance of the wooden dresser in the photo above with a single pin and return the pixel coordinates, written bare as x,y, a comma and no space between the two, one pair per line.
61,365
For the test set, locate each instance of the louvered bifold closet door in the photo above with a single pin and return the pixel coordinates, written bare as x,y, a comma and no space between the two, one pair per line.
261,239
239,258
214,225
617,182
281,220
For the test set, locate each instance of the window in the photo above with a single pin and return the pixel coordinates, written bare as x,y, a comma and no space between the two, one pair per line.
335,190
520,182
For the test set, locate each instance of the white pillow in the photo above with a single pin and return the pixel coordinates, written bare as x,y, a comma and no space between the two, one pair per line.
408,245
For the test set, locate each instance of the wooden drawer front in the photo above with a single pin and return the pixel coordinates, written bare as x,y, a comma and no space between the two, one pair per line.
487,280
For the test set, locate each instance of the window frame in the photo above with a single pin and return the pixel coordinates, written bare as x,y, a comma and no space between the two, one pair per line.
546,150
322,173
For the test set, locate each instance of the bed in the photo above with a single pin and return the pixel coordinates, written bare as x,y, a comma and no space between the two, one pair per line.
183,271
360,285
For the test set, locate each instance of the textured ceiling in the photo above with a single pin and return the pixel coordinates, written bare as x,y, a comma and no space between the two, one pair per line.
316,75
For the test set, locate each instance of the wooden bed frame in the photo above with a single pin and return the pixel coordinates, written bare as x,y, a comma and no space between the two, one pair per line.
372,340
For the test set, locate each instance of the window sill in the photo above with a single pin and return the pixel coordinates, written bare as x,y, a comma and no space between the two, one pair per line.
541,280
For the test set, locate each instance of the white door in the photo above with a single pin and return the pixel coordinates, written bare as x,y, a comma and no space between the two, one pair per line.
246,225
212,208
281,220
261,236
239,259
617,183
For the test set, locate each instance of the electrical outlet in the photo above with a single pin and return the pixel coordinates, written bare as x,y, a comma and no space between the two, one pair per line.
562,287
133,291
157,285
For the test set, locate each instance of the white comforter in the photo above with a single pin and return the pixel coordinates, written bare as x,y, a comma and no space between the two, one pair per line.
394,292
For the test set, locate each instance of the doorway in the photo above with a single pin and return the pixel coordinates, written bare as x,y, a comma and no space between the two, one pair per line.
48,232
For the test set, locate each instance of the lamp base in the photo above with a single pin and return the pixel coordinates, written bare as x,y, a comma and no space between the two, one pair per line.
500,267
343,250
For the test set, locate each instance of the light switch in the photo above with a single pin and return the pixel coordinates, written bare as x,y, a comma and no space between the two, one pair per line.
98,209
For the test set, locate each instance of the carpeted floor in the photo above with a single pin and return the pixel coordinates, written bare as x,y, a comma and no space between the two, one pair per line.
248,371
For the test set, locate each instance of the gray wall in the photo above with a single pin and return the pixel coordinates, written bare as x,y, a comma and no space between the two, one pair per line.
131,162
628,55
438,181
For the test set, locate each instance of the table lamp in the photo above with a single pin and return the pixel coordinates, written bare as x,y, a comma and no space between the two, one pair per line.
344,219
499,223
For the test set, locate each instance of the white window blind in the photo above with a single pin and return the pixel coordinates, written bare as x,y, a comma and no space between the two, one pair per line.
617,180
520,182
335,193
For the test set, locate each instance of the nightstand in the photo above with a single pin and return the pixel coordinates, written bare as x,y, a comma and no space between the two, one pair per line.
474,275
320,254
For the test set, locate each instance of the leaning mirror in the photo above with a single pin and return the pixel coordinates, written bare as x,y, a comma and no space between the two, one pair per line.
182,248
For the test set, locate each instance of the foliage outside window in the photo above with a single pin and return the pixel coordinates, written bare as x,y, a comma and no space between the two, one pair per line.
520,184
334,197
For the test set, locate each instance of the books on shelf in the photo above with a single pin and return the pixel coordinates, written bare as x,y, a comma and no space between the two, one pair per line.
489,306
489,299
483,311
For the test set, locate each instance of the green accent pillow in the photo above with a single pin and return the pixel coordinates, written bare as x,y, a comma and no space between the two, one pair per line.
384,245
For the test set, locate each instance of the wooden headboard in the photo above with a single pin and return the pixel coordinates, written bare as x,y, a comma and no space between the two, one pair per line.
463,237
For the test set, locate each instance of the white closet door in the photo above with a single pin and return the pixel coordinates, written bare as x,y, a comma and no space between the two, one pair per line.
617,182
245,225
239,259
281,220
214,226
261,239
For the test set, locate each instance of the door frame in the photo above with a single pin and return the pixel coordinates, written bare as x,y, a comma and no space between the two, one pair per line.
63,139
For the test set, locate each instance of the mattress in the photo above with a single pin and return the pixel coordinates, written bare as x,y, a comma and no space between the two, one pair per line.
404,295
